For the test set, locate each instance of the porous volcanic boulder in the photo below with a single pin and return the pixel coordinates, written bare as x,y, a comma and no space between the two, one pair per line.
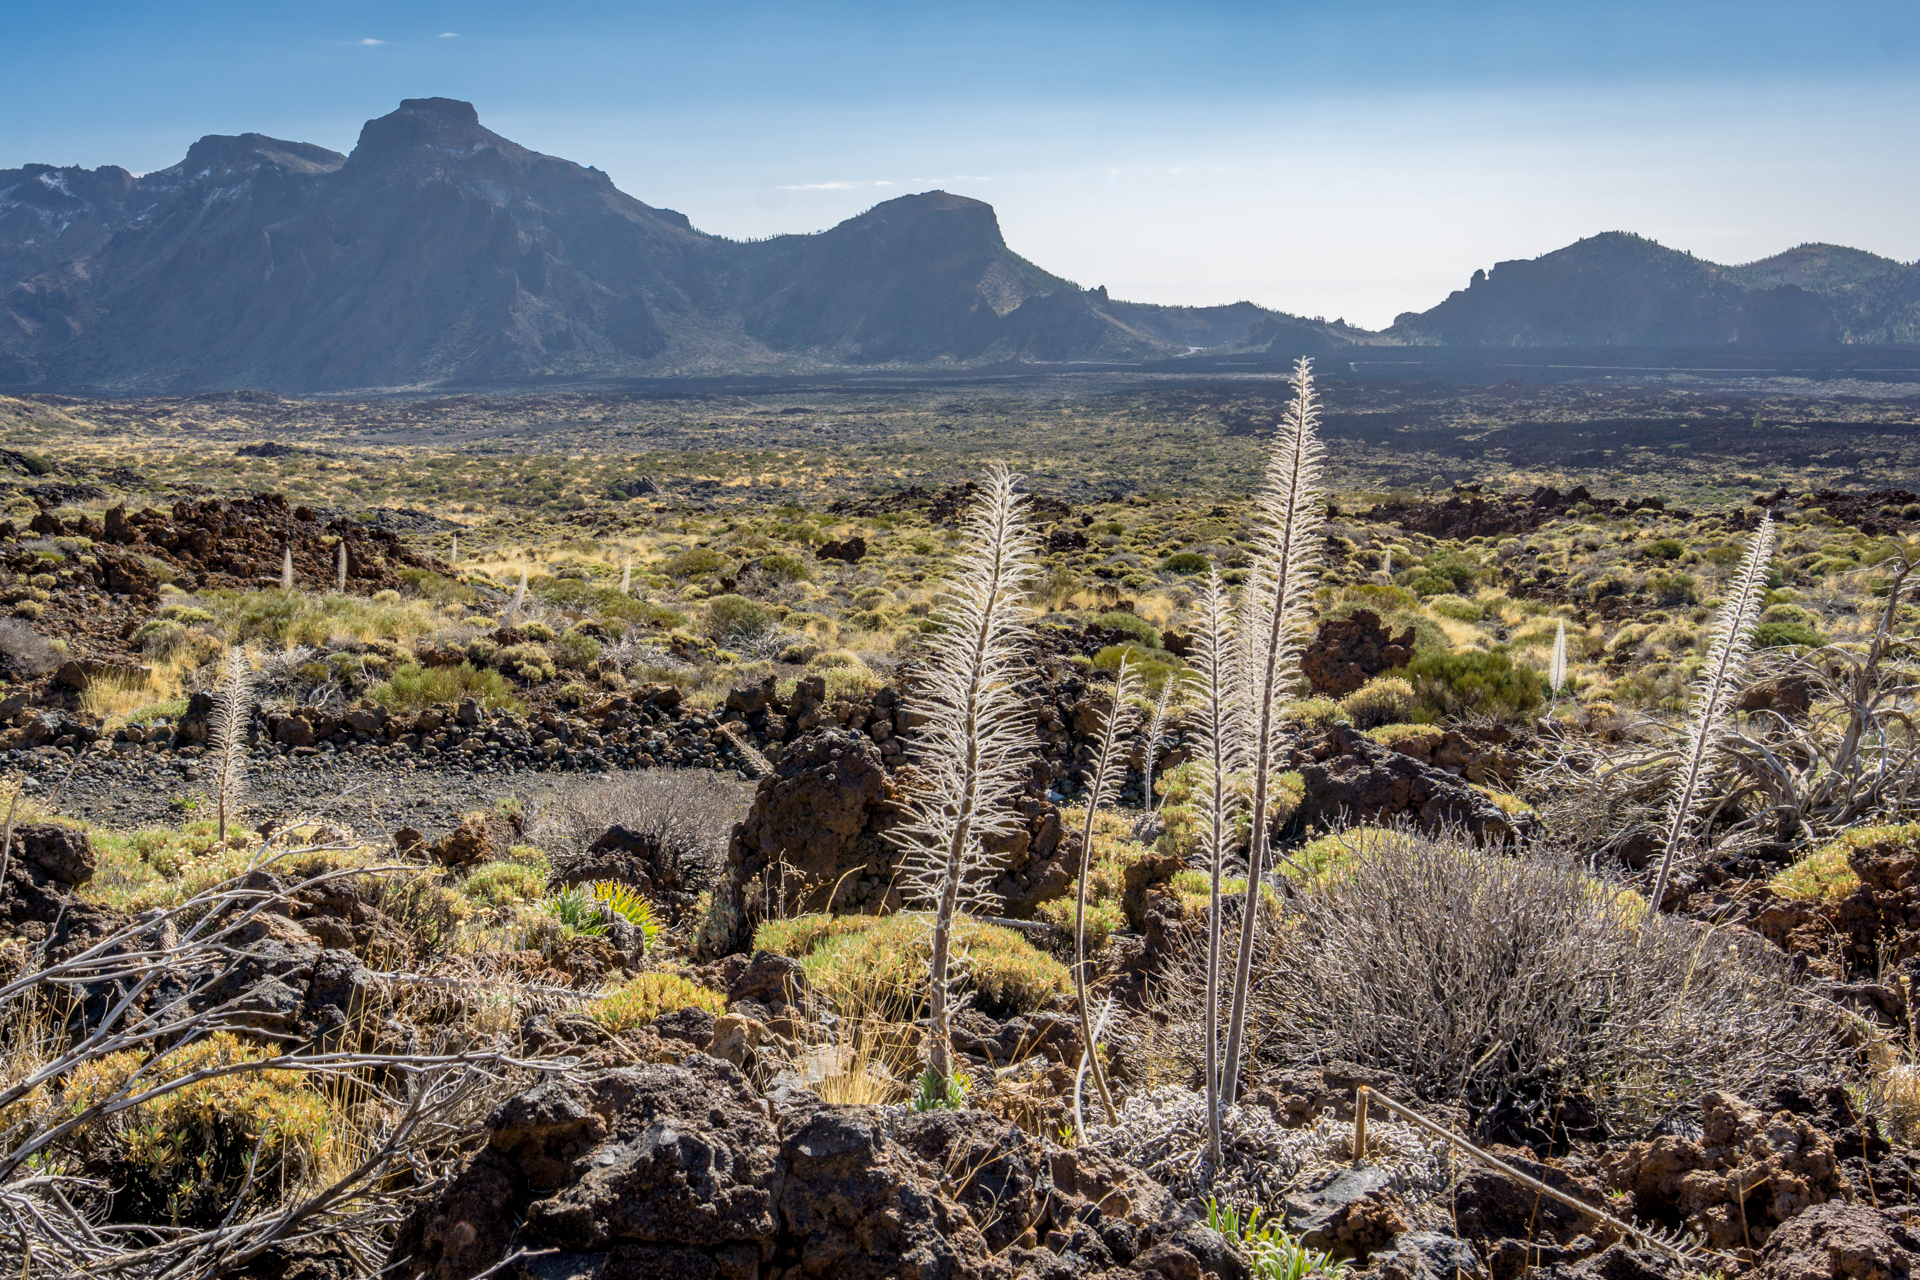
851,551
1349,778
479,838
1841,1241
63,855
1745,1174
682,1170
858,1206
46,863
1347,652
802,835
652,1170
1889,871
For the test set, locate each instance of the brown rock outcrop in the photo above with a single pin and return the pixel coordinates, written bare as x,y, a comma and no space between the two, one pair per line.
1836,1241
1349,778
1745,1174
1346,653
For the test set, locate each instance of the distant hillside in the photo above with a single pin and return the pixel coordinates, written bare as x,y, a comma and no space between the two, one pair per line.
1619,289
439,252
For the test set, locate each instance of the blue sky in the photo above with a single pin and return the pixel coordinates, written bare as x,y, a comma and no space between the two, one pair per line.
1344,159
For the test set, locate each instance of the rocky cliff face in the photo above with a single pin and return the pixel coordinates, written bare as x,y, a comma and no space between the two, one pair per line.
440,252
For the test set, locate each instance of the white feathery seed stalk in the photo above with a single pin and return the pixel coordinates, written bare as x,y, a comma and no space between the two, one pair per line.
1100,788
974,747
453,556
626,576
519,596
1213,662
1721,681
1156,726
227,734
286,569
1557,667
1273,622
341,565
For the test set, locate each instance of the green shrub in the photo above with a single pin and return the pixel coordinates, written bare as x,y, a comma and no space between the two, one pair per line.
1382,700
575,650
736,618
528,661
1791,613
1673,588
1447,572
1314,713
627,902
606,602
1450,684
1185,562
1154,666
782,568
1664,549
1131,623
1775,635
1184,791
645,997
699,562
1459,608
412,687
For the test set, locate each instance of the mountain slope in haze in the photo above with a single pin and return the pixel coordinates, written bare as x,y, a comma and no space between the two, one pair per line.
1620,289
439,252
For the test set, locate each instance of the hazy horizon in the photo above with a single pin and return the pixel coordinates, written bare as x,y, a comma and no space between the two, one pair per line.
1349,163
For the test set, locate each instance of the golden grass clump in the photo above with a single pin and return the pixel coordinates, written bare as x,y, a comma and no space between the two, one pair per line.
877,960
641,999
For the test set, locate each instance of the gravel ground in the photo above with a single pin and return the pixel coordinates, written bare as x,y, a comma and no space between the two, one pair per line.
367,791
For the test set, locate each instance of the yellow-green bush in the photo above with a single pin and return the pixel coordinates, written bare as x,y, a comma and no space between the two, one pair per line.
504,884
640,1000
1316,861
1826,875
1194,889
1382,700
878,961
413,687
182,1158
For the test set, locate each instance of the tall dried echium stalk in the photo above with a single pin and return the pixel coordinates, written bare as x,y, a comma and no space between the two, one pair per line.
227,734
626,576
1156,728
1213,674
976,735
1273,621
286,569
1557,667
519,596
1100,787
1720,683
341,567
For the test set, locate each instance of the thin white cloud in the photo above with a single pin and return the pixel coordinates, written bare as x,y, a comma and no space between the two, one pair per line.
371,40
448,35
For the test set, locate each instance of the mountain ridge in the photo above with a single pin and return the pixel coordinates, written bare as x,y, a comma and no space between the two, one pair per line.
437,253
